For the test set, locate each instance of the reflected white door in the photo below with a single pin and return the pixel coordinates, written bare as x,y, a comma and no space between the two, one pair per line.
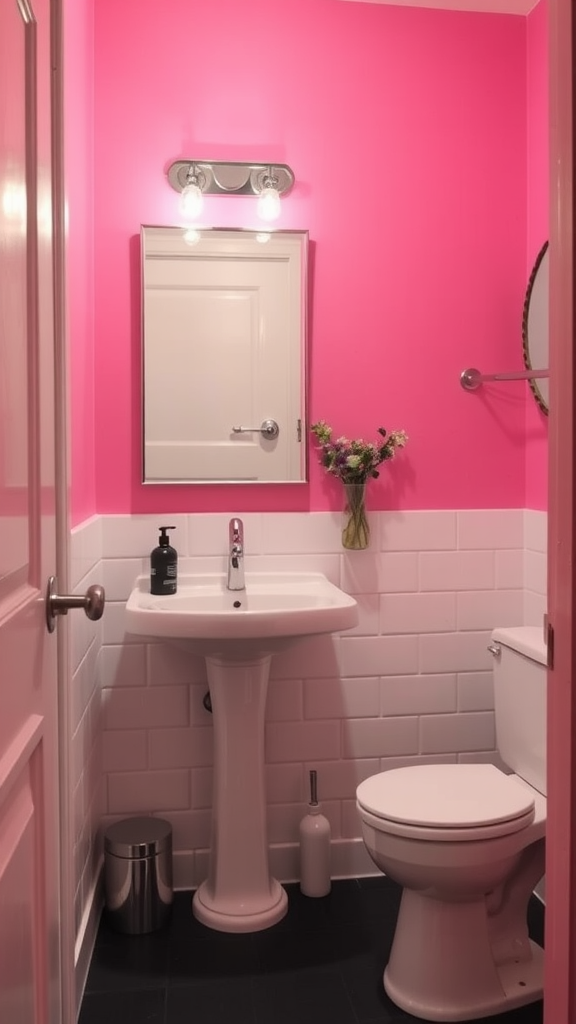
223,350
29,813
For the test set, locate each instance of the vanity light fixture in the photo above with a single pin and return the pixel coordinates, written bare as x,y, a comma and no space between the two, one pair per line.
197,178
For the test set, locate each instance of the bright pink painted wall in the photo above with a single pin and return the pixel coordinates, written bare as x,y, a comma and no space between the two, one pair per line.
79,183
406,129
537,229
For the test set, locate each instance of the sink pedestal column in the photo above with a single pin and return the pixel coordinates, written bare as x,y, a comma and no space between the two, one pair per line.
239,894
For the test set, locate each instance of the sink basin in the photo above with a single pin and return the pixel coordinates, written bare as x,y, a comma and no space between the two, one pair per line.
272,605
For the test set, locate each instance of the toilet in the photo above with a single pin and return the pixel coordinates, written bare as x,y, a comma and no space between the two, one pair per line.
466,843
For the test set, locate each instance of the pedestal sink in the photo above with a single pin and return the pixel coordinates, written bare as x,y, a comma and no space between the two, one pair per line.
238,632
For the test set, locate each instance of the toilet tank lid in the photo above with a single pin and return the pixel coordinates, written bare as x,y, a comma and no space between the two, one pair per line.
527,640
445,795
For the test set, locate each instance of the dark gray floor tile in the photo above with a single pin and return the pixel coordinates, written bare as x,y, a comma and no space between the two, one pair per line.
183,924
363,946
340,904
108,936
232,956
312,949
228,1002
536,920
323,963
143,1007
302,997
365,990
379,902
531,1014
131,963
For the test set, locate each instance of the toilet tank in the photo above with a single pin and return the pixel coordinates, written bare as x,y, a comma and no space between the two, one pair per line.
519,670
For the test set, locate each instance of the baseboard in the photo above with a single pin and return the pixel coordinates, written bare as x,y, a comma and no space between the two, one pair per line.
86,936
350,859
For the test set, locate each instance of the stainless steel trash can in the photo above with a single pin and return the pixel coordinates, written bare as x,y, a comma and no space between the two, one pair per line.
138,874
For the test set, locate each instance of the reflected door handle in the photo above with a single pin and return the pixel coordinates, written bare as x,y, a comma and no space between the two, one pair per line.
268,428
58,604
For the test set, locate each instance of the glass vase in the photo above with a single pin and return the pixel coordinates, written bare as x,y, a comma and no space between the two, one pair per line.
356,531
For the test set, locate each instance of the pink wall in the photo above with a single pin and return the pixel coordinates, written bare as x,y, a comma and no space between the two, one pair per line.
79,183
537,229
406,129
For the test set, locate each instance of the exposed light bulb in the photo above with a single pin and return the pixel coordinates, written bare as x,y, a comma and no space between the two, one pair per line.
192,236
269,203
191,201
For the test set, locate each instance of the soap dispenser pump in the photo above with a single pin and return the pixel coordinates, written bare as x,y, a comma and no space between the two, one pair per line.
164,565
314,847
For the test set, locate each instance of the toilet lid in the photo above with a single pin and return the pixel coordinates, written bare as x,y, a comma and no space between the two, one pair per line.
445,796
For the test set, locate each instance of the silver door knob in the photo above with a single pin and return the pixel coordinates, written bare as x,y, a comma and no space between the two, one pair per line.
58,604
268,428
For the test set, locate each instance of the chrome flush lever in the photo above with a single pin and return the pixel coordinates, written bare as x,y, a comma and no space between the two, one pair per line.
58,604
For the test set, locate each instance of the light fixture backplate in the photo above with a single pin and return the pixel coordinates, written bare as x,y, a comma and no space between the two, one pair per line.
232,179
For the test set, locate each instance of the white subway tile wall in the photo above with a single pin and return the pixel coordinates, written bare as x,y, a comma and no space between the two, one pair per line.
82,712
410,684
535,558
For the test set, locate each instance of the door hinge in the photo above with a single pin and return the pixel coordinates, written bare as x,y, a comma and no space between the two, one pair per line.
549,636
299,429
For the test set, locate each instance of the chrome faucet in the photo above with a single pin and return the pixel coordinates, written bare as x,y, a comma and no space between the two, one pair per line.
236,555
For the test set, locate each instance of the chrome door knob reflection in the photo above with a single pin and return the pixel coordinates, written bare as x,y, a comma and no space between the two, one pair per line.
58,604
268,428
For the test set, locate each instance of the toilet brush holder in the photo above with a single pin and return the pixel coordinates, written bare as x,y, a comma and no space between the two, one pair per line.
314,847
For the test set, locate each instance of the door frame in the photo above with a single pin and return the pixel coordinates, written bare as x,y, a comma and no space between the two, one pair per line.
70,998
560,957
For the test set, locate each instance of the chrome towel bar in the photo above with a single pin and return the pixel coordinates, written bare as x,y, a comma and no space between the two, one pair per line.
472,379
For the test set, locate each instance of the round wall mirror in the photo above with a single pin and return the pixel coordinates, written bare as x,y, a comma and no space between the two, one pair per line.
535,327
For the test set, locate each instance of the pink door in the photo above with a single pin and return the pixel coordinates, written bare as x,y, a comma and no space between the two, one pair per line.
30,976
560,958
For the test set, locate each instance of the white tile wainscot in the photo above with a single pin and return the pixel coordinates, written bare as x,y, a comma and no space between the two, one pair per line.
410,684
535,566
82,747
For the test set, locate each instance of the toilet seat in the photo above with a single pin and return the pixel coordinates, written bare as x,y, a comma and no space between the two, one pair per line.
446,802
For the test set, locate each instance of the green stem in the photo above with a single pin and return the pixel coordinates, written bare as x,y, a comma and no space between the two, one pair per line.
356,532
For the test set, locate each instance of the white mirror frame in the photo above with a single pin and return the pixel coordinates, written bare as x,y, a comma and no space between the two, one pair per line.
224,355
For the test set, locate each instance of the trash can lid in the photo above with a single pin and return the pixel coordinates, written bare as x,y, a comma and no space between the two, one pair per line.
138,837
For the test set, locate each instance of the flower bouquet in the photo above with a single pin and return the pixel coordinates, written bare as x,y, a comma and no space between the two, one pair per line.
353,462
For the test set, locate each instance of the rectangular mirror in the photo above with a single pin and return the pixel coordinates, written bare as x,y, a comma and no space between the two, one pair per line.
224,355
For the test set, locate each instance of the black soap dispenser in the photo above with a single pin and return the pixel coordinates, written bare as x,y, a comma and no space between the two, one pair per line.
164,565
